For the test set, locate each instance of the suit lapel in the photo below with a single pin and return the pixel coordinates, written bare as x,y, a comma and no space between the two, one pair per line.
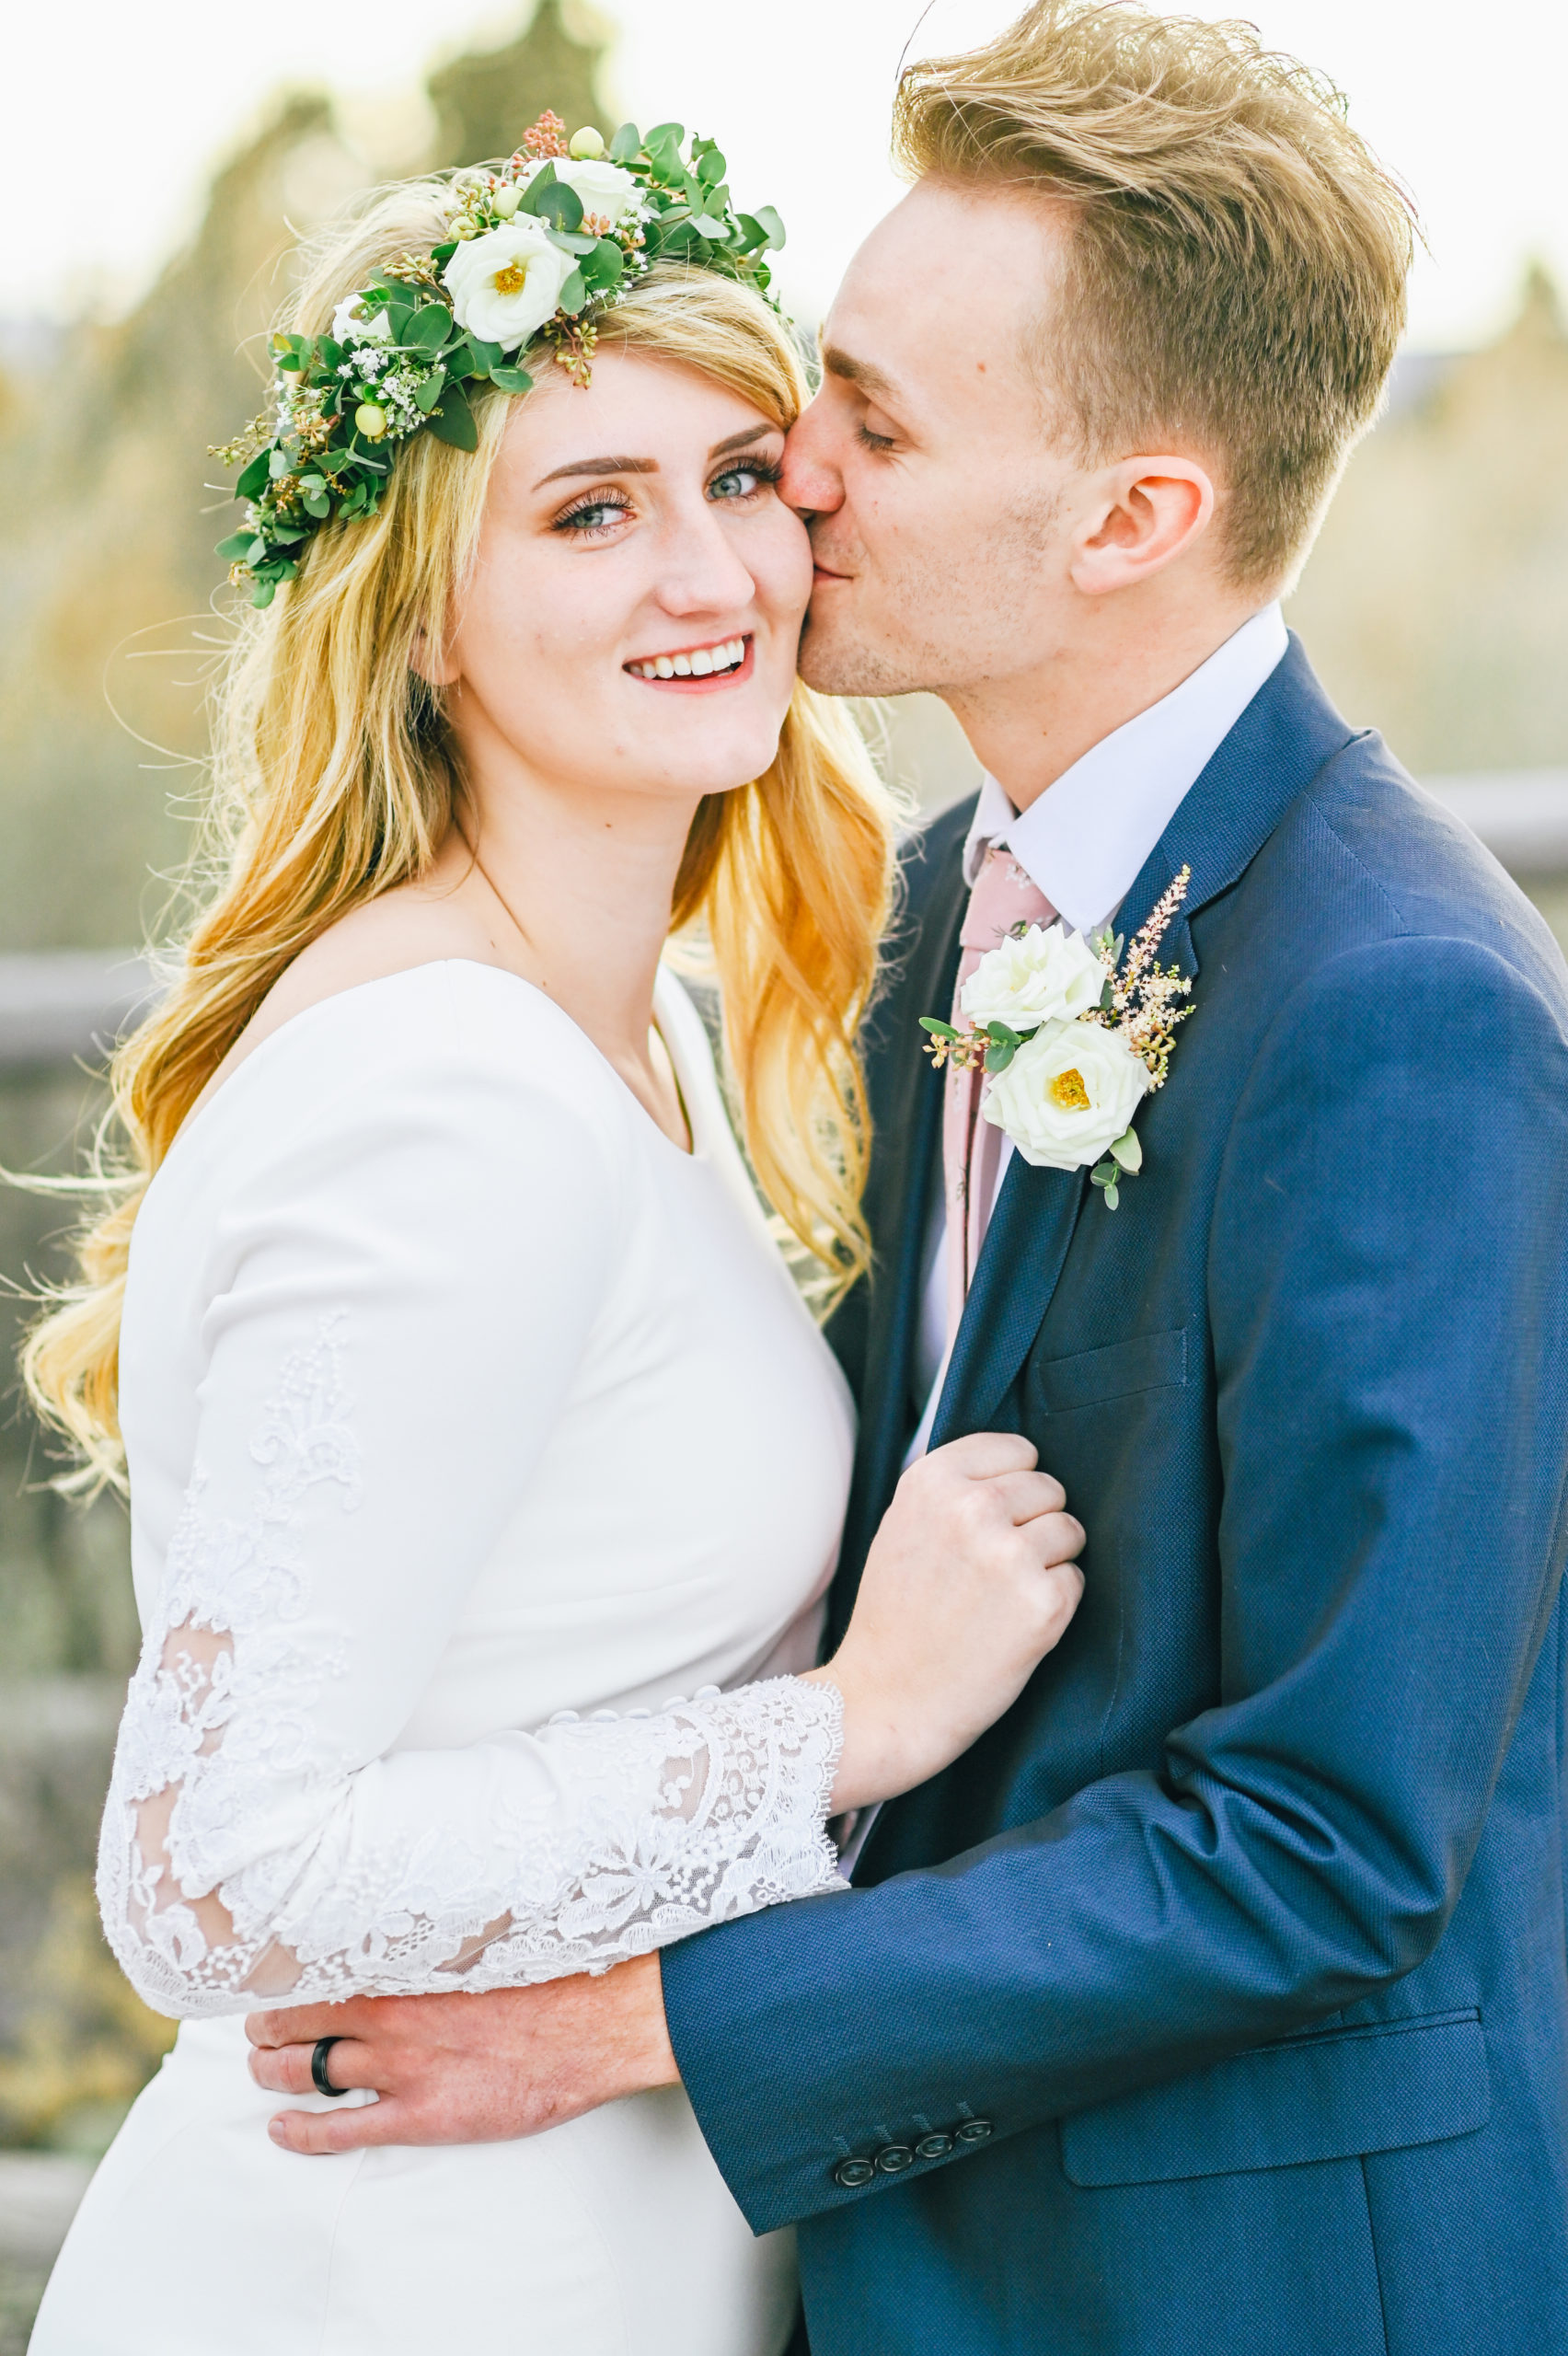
1277,746
908,1112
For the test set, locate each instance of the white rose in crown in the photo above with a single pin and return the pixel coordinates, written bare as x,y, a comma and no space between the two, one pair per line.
602,189
1068,1095
1047,975
505,285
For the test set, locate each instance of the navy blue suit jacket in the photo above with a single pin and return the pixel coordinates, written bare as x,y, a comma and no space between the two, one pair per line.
1224,1981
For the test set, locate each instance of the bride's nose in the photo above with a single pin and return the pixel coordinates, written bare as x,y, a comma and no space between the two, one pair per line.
701,571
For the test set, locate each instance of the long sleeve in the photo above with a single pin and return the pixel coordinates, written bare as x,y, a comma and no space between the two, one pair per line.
1390,1549
395,1299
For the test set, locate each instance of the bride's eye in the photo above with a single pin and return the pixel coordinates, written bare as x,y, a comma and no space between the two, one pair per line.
593,516
744,478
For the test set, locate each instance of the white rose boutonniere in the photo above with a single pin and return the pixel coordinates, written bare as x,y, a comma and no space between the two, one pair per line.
1039,975
1070,1041
505,285
1067,1095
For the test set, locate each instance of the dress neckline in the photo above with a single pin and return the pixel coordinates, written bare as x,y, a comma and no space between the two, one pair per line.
696,1111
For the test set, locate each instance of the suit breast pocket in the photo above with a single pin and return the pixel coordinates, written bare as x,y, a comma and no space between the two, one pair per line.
1119,1370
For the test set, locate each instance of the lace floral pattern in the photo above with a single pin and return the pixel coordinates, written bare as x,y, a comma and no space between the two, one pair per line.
241,1863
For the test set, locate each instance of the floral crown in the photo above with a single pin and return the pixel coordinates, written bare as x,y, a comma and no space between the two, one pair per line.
547,244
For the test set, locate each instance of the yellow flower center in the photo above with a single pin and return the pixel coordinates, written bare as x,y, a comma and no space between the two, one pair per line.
1068,1090
512,279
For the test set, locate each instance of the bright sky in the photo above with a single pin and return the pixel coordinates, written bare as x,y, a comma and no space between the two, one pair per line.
111,116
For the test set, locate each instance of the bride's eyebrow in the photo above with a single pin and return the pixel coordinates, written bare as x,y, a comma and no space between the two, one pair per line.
617,466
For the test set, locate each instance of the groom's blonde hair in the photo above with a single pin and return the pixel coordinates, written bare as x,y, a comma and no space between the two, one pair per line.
1236,271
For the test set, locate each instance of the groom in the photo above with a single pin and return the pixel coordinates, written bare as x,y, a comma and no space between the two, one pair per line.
1217,1999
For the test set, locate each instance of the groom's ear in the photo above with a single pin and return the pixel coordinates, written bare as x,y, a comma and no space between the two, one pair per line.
1140,515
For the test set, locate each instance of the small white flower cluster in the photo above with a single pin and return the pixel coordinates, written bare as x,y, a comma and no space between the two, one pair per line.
382,384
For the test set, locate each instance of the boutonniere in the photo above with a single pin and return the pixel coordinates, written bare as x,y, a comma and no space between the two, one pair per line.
1070,1040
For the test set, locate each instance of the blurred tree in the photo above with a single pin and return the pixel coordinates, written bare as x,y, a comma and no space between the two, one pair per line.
484,101
1435,601
108,579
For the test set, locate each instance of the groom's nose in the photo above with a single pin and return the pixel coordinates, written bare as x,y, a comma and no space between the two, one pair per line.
812,480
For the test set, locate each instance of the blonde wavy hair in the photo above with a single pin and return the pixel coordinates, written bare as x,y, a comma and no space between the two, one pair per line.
334,778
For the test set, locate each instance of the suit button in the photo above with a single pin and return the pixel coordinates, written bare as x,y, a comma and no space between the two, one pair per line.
853,2173
974,2130
893,2158
933,2147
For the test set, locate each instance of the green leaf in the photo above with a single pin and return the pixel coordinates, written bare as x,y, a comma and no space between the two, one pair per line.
255,477
938,1030
452,420
1128,1152
512,380
1104,1173
1004,1033
706,226
573,294
443,253
263,593
573,241
257,552
559,205
1112,1198
626,142
427,394
665,134
277,463
710,165
772,228
316,503
603,267
542,180
428,328
488,355
236,548
999,1057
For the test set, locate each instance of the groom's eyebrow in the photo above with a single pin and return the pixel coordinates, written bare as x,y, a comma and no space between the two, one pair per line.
862,373
620,466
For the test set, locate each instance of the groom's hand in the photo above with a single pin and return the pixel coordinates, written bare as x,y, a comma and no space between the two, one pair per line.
466,2069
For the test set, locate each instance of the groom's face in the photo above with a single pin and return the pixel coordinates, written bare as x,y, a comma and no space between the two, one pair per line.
940,513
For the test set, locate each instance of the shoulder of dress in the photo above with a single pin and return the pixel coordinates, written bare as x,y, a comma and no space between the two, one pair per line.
451,1051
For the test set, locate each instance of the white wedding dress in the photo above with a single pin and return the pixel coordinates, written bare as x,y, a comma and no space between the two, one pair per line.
468,1422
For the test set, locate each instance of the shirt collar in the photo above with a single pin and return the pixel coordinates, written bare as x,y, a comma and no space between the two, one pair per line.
1084,840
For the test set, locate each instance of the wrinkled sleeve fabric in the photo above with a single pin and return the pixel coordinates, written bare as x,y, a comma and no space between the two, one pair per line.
1393,1492
398,1293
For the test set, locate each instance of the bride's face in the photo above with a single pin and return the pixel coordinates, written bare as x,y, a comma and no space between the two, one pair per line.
636,606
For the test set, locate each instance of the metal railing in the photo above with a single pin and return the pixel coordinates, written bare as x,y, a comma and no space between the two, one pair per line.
72,1004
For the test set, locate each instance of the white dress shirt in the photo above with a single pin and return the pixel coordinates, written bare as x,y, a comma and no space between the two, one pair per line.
1082,844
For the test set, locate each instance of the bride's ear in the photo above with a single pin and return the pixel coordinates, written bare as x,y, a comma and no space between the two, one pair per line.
432,660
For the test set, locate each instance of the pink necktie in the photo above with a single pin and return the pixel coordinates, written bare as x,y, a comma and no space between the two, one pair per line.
1003,895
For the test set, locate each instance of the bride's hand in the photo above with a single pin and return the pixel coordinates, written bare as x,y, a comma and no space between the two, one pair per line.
969,1583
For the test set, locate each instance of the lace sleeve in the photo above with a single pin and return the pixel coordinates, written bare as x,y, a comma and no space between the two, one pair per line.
264,1840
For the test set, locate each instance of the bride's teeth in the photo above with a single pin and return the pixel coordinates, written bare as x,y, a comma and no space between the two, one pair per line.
701,663
663,668
681,665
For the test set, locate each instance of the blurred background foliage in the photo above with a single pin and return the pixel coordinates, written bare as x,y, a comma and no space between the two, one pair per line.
1435,605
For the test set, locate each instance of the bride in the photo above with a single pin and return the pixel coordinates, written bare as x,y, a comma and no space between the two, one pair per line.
486,1469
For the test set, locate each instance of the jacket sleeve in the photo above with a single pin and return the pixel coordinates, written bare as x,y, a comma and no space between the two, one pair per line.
1386,1294
400,1292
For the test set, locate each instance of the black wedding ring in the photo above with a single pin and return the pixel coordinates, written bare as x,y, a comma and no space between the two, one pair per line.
318,2077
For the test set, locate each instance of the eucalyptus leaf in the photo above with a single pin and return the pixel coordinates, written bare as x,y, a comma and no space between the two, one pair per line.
236,548
1128,1151
561,205
427,394
542,180
573,241
710,165
511,380
488,355
999,1057
428,328
452,420
1112,1198
603,267
443,253
938,1030
706,226
768,221
664,134
626,142
573,294
277,465
316,503
255,478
